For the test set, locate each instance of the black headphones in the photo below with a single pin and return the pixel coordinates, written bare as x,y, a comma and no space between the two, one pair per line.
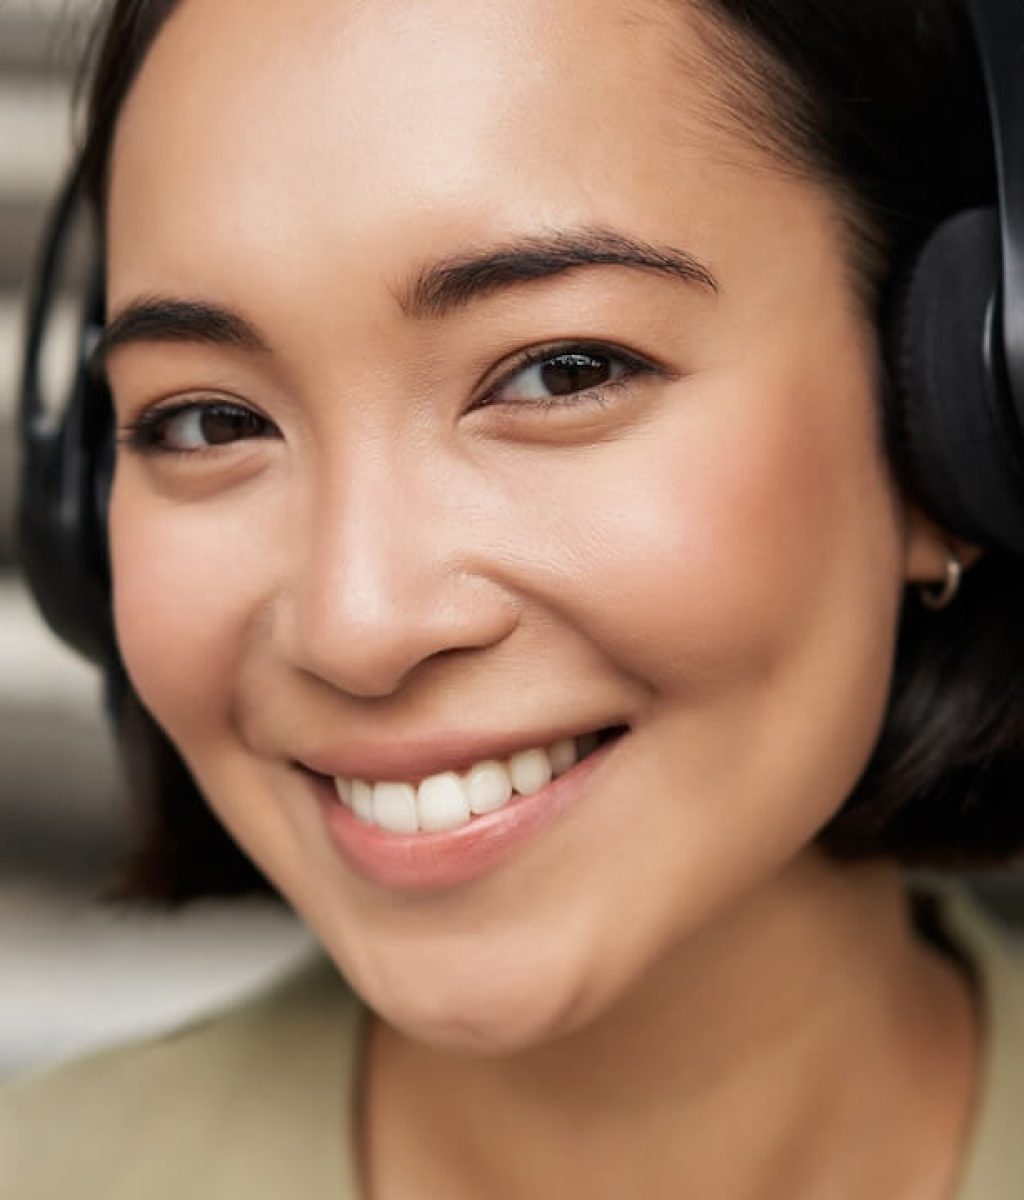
956,351
67,456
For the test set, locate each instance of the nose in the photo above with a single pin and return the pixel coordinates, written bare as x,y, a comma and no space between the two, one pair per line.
388,575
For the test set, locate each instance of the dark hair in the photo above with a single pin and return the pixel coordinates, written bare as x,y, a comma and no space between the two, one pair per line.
883,99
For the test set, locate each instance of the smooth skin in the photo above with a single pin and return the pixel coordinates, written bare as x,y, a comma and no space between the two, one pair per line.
670,989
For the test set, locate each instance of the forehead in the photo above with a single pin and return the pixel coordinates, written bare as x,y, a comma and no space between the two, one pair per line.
268,127
351,55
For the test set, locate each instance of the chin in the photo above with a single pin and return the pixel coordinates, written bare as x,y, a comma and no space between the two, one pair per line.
480,1008
482,1030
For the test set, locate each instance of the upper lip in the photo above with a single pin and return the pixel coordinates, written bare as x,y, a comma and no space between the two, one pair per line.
408,759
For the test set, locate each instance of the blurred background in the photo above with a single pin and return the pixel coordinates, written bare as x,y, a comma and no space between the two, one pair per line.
74,972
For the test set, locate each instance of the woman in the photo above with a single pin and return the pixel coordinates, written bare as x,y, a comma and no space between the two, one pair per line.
511,535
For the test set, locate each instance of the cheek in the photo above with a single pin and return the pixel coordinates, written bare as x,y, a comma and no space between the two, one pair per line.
744,562
186,580
758,516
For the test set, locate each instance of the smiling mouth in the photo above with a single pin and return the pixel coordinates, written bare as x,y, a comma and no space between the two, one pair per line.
451,799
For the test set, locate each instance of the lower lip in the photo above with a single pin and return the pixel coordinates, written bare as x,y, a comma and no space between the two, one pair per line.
431,861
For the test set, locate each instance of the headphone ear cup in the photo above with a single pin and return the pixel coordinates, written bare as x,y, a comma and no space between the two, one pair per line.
67,454
63,524
955,428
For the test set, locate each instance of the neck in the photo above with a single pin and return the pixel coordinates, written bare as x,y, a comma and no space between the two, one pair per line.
756,1060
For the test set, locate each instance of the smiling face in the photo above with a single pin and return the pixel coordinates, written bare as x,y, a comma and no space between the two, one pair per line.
392,542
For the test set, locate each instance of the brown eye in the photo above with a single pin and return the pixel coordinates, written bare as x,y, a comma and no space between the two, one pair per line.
562,377
191,428
568,373
217,426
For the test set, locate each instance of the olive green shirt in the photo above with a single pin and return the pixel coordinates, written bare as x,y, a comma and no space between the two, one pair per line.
257,1102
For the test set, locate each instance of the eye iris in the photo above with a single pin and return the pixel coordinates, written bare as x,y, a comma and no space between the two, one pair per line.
221,425
574,373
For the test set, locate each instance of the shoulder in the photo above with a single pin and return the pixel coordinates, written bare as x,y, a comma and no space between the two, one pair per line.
189,1112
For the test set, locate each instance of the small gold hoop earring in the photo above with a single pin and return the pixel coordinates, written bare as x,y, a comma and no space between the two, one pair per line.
937,598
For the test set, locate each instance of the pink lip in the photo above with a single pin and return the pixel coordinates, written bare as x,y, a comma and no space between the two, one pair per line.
412,759
430,861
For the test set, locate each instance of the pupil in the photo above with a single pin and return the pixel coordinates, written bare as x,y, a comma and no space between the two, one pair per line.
573,373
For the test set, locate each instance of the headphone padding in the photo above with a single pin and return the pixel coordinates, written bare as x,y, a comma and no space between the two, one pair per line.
956,426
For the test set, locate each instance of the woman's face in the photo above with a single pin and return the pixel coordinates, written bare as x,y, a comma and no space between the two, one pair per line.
404,548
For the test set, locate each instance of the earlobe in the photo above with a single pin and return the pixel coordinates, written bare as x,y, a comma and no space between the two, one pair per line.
929,549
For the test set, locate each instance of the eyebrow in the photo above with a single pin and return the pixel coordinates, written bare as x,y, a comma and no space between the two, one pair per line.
452,283
434,292
165,319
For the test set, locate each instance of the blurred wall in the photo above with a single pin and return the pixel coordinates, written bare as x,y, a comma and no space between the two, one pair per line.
39,44
53,743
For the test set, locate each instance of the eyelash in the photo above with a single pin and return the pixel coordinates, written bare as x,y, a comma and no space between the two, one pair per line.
145,434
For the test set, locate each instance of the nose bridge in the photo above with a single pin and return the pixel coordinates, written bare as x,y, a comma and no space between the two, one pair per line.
380,581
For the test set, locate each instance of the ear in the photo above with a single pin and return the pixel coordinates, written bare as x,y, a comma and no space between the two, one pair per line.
927,548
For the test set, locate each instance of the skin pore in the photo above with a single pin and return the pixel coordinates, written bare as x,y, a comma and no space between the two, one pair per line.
670,983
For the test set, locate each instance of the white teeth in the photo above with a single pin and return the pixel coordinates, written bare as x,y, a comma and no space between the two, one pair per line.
530,770
448,800
562,755
442,803
362,800
394,807
488,787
